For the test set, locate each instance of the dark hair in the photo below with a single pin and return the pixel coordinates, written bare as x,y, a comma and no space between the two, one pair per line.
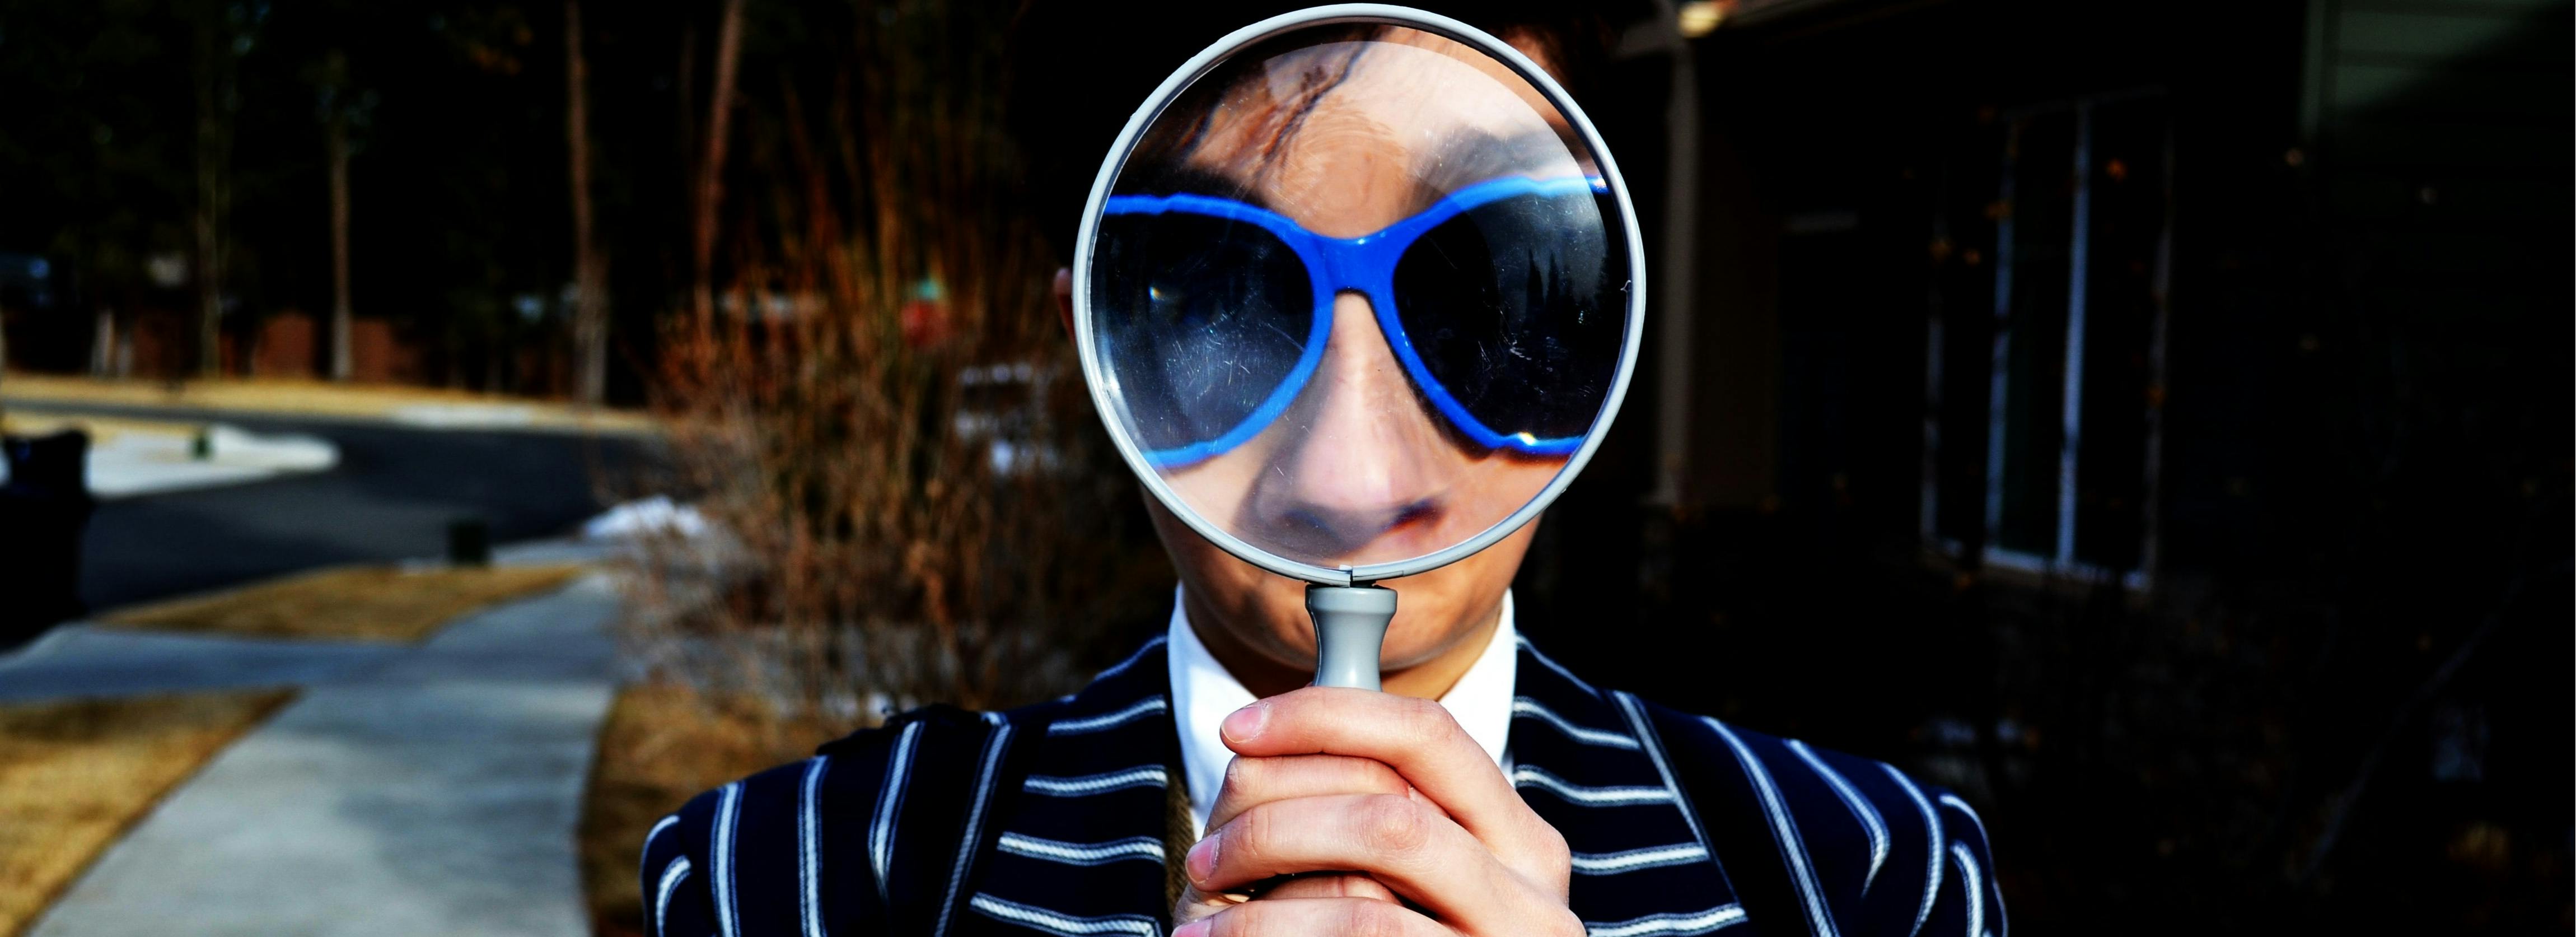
1079,69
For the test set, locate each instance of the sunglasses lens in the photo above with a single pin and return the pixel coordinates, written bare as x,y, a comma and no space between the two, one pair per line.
1200,322
1518,308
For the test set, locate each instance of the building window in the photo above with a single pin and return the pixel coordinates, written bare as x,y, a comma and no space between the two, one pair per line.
2072,359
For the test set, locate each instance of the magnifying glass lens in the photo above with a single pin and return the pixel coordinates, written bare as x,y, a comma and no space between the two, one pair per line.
1357,295
1213,318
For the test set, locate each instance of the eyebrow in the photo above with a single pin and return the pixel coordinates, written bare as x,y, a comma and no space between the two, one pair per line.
1473,157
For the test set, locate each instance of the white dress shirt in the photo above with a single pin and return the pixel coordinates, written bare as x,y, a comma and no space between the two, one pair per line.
1203,693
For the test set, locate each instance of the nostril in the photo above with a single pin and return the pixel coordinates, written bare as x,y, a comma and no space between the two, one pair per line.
1319,530
1420,512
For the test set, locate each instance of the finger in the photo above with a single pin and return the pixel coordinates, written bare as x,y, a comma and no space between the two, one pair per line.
1196,904
1422,742
1315,916
1406,845
1250,781
1330,885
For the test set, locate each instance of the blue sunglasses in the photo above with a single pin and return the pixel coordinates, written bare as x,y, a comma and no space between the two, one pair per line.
1505,302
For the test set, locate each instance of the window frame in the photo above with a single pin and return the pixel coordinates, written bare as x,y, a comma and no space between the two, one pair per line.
2061,561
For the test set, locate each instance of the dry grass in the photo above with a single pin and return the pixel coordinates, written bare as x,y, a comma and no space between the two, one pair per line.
660,745
902,451
361,603
75,774
322,398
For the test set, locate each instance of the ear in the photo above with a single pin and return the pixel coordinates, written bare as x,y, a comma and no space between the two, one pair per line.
1064,298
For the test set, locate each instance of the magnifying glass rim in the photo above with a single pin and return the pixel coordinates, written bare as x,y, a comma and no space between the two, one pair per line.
1198,66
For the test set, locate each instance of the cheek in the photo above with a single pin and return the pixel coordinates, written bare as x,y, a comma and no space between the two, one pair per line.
1217,488
1442,607
1490,489
1505,483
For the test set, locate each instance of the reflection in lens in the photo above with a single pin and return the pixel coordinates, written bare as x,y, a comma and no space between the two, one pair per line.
1517,309
1201,320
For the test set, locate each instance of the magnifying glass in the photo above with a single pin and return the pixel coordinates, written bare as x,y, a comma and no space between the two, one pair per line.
1357,293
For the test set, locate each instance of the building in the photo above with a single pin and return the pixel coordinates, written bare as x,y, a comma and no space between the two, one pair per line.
2174,401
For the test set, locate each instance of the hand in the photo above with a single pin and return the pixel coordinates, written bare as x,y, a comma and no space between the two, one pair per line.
1387,787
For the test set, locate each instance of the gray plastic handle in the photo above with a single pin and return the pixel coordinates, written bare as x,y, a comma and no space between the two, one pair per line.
1350,627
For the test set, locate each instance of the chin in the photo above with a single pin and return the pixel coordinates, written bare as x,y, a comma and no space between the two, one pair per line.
1427,623
1433,612
1425,627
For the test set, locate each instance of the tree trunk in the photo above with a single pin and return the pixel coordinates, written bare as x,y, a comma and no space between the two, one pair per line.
102,344
341,311
590,287
212,59
711,169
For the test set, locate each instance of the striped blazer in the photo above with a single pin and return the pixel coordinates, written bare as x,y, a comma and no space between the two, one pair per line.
1058,819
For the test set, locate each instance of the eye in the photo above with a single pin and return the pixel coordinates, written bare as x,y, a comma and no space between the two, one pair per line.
1510,305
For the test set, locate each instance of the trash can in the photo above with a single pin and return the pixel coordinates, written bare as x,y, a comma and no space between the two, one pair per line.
43,509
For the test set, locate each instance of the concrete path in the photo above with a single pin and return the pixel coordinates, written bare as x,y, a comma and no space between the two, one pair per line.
435,791
82,659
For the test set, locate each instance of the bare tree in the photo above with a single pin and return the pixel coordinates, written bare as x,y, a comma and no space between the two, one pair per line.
225,33
335,123
710,183
590,287
214,66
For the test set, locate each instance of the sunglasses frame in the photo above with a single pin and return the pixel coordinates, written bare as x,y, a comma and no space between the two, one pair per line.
1364,265
1100,382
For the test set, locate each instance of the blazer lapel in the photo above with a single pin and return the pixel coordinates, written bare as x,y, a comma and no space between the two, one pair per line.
1589,763
1084,814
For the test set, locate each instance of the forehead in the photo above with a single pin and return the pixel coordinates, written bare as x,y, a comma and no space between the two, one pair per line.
1350,136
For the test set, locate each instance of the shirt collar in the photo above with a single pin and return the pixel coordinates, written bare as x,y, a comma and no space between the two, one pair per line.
1203,692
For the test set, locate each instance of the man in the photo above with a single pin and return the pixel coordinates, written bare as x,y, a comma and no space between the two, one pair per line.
1201,789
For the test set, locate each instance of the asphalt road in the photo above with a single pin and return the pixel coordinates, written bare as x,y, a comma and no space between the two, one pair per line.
392,497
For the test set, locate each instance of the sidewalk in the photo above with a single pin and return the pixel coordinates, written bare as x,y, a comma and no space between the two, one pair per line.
426,407
429,789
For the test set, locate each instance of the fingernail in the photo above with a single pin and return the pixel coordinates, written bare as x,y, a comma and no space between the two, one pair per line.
1242,724
1198,928
1202,861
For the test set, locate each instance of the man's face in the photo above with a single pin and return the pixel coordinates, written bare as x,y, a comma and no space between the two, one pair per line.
1345,140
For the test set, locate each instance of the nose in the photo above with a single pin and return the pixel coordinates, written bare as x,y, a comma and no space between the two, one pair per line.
1369,467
